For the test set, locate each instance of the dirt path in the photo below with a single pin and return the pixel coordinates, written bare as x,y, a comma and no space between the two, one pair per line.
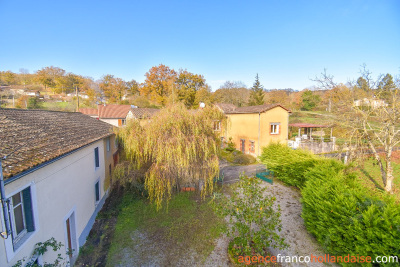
293,229
147,252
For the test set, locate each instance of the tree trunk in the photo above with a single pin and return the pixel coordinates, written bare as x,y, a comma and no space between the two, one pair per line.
389,172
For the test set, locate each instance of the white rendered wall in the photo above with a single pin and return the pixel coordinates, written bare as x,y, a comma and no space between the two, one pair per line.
65,186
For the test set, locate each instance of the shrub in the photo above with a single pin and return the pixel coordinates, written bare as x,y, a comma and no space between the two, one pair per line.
237,157
230,145
337,209
338,212
252,218
288,165
243,159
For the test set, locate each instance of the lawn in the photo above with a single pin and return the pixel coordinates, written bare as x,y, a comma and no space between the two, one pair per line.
370,175
187,228
61,106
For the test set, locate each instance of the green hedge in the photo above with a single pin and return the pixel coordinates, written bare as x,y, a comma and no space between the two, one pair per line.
288,165
339,213
337,209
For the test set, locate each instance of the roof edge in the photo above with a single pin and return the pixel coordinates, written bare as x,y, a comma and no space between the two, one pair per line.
44,164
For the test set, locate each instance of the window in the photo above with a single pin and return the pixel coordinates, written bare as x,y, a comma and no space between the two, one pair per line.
109,169
96,157
217,126
274,128
252,146
108,144
123,122
21,216
116,142
97,191
242,145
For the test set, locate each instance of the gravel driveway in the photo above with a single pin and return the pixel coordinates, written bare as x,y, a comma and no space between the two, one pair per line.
301,243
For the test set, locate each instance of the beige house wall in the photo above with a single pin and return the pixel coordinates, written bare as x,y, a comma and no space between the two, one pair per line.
256,127
109,159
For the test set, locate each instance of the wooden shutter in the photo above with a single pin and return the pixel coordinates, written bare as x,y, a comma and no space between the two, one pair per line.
26,195
96,157
97,191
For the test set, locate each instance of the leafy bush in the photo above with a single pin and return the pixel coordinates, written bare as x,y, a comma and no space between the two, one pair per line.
237,157
252,218
344,217
230,145
243,159
289,165
338,212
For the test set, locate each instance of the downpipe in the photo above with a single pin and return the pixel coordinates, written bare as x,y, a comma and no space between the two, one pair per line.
4,203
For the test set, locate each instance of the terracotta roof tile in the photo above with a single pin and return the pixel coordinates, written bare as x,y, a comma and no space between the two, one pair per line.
89,111
113,111
228,108
38,136
307,125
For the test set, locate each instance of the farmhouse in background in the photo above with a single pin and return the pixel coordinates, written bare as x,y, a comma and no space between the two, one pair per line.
117,115
112,114
56,175
144,115
374,103
254,127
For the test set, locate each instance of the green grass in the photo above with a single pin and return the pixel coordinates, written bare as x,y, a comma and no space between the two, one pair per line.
61,106
370,175
187,224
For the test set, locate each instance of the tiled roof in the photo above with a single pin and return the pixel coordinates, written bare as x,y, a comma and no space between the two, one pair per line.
141,113
307,125
38,136
228,108
113,111
89,111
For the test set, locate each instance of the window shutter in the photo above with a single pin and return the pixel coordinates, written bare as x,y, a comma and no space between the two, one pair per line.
30,224
96,157
97,189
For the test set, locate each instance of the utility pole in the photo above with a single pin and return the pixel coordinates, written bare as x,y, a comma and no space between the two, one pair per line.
77,98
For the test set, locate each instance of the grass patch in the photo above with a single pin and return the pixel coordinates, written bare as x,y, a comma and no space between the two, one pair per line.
370,176
187,224
60,106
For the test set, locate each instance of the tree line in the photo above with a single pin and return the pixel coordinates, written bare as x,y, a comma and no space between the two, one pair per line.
164,85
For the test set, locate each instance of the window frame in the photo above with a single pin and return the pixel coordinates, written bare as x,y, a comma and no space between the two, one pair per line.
108,144
252,146
18,236
274,128
14,245
217,126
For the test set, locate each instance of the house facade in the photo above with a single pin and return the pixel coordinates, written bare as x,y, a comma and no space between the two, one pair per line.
254,127
118,115
112,114
56,179
144,115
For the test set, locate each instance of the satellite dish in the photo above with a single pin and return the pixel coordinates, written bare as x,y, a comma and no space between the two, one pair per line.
202,105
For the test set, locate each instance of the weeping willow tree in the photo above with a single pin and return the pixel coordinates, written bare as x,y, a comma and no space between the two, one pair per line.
181,148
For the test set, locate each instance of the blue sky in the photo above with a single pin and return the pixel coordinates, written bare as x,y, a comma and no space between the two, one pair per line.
286,42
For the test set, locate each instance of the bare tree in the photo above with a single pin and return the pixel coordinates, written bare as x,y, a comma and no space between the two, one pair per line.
373,121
